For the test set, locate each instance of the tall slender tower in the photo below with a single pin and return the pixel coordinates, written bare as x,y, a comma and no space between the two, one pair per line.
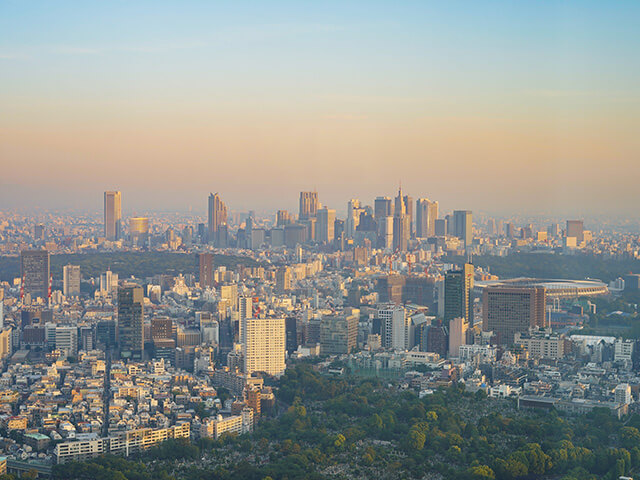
325,232
131,321
426,216
401,224
458,299
463,226
217,220
113,215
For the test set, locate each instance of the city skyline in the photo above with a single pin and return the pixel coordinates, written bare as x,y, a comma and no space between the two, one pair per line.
527,111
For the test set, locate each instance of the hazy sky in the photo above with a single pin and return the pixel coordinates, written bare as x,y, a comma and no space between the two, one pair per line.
531,106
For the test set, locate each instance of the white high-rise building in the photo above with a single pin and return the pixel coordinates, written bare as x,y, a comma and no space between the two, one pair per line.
622,393
245,310
263,345
109,283
71,280
395,327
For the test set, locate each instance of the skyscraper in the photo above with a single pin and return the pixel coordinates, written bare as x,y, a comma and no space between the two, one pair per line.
457,335
575,228
139,230
35,273
205,269
263,346
112,215
408,205
382,208
401,224
507,310
325,225
426,215
458,302
217,221
309,205
463,226
71,280
353,217
131,321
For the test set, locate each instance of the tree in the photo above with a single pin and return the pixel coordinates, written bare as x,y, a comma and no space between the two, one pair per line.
481,472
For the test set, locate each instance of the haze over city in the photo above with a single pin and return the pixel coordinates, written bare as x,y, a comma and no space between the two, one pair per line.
527,107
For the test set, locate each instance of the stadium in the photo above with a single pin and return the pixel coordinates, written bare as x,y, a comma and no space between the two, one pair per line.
555,288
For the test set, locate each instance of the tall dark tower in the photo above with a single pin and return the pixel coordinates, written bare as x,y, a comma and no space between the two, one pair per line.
205,269
217,221
458,302
35,273
113,215
131,321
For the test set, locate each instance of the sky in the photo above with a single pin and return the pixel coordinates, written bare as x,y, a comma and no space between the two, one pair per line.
526,107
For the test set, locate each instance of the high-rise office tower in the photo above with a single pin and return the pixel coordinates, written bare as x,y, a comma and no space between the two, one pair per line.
463,221
71,280
309,205
338,334
217,221
283,218
205,269
458,301
575,228
385,232
382,207
112,215
401,224
426,216
35,273
283,279
353,217
325,224
292,335
408,205
507,310
440,227
457,335
131,321
263,348
139,230
394,331
109,282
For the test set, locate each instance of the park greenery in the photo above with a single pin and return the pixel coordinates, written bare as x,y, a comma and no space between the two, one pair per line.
125,264
345,427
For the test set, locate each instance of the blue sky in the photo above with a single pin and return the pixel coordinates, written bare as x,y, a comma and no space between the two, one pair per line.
320,92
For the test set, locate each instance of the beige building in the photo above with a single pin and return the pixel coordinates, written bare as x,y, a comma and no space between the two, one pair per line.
233,425
457,336
541,344
263,345
124,443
